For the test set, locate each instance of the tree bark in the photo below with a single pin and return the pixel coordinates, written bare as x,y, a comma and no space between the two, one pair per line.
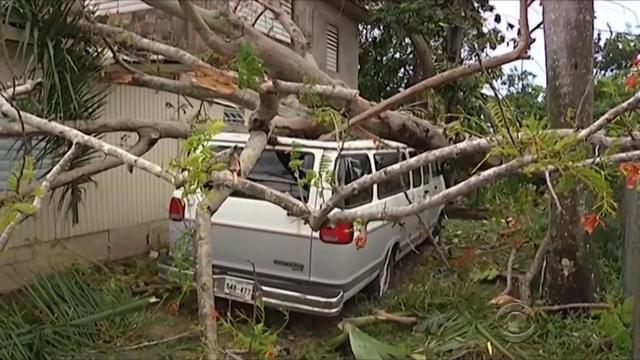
204,280
571,270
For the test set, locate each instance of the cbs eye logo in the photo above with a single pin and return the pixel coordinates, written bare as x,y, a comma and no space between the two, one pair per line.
516,322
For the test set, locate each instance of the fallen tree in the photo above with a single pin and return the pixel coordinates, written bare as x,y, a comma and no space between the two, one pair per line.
279,105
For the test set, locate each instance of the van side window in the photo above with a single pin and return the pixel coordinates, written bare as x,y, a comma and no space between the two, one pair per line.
436,169
396,184
427,174
416,173
272,170
351,167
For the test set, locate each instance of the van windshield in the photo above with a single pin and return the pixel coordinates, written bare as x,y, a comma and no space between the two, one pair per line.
272,170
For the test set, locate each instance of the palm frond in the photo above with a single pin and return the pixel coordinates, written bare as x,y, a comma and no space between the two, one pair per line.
63,314
70,63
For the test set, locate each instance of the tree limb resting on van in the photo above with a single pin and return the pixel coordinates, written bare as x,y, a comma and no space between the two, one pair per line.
284,200
496,173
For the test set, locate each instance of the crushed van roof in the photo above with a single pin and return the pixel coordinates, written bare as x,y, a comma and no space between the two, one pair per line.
241,138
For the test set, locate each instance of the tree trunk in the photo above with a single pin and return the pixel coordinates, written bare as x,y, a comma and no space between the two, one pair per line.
629,218
571,263
204,280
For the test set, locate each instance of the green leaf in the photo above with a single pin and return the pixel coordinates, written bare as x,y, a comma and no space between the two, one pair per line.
365,347
25,208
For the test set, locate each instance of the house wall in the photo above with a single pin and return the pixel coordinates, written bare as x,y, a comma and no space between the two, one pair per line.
313,17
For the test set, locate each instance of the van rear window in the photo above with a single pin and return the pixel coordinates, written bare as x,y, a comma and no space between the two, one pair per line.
272,170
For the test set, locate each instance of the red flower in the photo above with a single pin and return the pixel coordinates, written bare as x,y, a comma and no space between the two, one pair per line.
361,240
636,59
632,172
174,308
590,222
631,81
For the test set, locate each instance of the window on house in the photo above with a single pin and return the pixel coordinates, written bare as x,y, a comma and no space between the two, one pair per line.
416,173
253,13
350,168
333,42
395,184
233,116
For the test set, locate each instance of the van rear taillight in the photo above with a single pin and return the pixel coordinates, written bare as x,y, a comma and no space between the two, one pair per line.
176,209
340,233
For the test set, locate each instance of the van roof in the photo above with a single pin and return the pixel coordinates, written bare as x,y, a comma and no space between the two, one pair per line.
241,138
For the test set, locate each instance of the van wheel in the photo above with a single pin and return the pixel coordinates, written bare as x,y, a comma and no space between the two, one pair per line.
379,286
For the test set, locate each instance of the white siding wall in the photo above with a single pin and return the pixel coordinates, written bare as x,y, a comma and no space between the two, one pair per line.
119,198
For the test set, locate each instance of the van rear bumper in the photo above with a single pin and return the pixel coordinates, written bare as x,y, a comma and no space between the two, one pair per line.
304,299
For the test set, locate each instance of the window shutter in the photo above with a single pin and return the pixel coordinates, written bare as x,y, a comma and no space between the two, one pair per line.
332,48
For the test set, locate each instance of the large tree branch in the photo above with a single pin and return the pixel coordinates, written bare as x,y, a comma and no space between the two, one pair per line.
165,128
285,64
147,138
423,52
210,38
14,91
78,137
37,201
520,52
488,176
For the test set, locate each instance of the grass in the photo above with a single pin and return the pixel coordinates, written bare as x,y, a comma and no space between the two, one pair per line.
454,317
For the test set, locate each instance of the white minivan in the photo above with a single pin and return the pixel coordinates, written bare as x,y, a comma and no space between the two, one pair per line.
261,250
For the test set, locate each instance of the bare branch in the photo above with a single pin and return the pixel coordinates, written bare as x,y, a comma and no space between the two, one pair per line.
574,306
294,206
37,201
128,38
78,137
210,38
512,258
424,55
165,128
147,139
15,91
328,91
553,192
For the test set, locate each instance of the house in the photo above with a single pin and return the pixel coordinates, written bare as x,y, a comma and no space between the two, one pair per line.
125,213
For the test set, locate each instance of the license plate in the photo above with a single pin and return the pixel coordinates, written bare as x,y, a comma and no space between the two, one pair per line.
238,288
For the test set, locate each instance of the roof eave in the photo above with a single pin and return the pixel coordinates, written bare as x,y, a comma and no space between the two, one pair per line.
351,9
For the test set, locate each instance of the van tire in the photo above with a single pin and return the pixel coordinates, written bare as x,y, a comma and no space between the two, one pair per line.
379,286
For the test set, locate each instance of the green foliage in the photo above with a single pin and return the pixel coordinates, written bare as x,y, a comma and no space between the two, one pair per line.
70,64
615,323
365,347
64,315
15,204
248,66
197,157
252,334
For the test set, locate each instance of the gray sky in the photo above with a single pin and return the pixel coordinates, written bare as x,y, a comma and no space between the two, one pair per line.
620,16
